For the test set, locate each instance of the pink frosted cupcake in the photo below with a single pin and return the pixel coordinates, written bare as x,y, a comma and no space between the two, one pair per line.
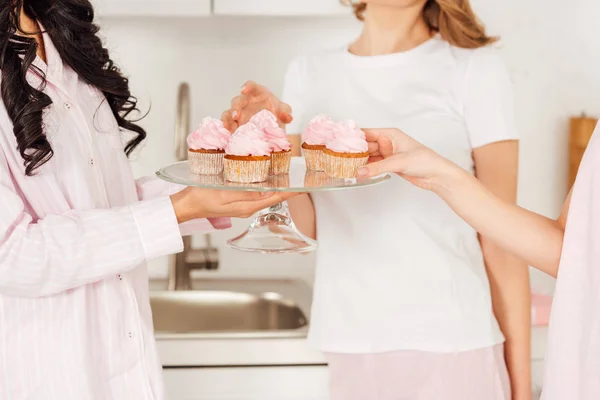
207,147
319,131
281,153
346,152
247,156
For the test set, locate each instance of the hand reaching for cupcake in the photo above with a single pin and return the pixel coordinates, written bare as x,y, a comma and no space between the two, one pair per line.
253,99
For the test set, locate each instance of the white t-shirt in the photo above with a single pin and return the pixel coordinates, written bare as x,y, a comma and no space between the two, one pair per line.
396,268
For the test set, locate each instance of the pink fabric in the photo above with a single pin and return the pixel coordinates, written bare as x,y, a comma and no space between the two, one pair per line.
75,320
540,309
412,375
573,356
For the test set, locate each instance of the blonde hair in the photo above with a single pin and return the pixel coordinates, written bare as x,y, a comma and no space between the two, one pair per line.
453,19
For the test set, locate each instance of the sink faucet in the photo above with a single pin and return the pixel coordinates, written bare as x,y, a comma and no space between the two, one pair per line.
206,258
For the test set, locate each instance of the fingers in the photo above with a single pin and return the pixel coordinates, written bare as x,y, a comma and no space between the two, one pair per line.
238,197
252,88
391,164
228,121
260,201
285,113
374,149
270,200
237,105
372,135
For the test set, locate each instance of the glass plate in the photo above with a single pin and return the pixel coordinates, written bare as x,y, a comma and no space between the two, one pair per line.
298,180
272,230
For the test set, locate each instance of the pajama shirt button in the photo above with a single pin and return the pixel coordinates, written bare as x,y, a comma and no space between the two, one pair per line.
131,335
68,106
91,162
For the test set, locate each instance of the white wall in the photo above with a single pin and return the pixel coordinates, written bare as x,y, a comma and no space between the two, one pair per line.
549,45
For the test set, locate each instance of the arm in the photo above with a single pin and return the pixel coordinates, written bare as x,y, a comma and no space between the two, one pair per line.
41,257
60,252
303,214
533,238
496,168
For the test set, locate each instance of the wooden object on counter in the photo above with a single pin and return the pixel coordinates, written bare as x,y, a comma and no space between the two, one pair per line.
579,137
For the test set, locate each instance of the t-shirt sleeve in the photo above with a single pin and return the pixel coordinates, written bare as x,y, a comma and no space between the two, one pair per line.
488,103
294,94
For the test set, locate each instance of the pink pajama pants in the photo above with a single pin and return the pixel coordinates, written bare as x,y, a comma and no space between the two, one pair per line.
413,375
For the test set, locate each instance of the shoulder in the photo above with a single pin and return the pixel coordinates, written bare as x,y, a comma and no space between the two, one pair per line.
487,60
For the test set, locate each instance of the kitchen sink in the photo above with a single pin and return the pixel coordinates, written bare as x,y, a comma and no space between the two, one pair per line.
231,321
211,311
231,308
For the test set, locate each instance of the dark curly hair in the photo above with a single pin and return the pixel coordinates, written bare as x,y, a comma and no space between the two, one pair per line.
70,25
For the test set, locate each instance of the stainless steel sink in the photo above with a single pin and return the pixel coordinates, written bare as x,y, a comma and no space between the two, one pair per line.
231,308
212,311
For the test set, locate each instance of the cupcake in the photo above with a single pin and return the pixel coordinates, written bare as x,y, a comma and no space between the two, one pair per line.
346,152
247,156
315,136
207,147
281,153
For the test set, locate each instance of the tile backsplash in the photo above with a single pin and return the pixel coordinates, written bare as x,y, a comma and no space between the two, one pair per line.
546,45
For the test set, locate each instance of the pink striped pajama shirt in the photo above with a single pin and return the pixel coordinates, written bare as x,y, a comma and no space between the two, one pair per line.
75,321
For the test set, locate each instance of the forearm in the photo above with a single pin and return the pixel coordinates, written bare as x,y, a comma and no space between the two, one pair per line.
533,238
511,298
61,252
302,211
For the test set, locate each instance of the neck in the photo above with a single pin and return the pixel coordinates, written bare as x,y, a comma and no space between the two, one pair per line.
390,30
26,24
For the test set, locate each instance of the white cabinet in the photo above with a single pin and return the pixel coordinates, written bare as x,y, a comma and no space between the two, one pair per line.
159,8
247,383
279,7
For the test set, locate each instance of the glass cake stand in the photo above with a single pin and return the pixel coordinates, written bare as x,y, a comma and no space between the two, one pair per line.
272,230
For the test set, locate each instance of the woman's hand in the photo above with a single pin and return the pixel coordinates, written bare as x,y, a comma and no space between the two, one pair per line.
391,150
254,98
193,203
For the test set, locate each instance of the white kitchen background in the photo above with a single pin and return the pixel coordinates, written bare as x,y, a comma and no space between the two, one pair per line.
550,46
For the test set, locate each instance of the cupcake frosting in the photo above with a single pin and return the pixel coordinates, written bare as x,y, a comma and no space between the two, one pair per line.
278,139
348,138
264,119
319,131
211,135
248,140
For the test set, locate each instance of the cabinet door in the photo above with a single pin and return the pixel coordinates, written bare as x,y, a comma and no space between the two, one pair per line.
158,8
279,7
247,383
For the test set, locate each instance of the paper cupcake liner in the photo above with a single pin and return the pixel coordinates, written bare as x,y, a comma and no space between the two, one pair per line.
314,159
205,163
280,162
343,167
246,171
